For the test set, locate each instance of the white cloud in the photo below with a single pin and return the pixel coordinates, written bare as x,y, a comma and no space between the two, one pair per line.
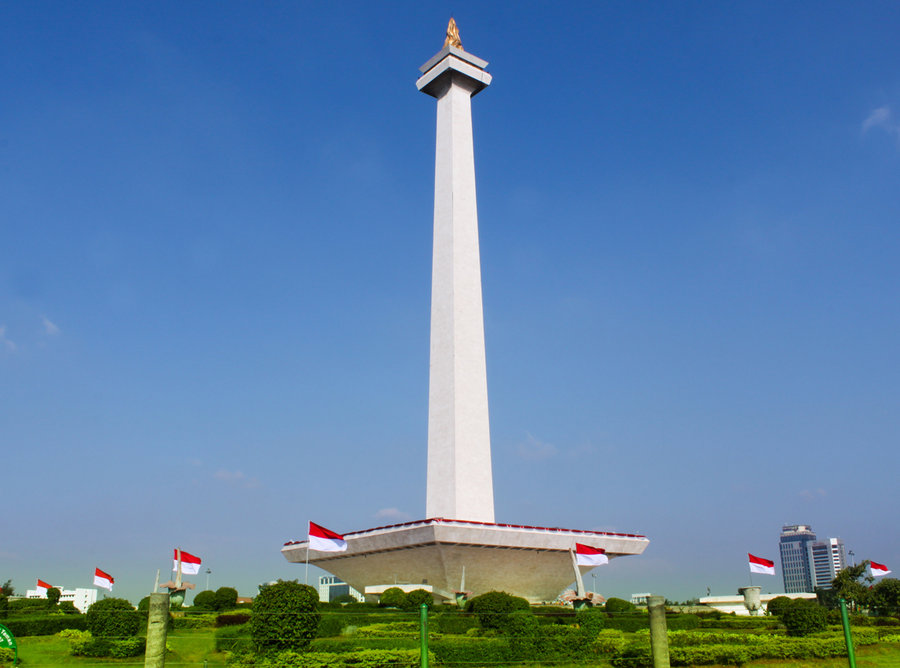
534,449
4,341
237,478
812,494
878,118
393,514
882,119
50,328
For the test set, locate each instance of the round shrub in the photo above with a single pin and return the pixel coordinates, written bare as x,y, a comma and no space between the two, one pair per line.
284,616
417,597
144,604
226,598
778,605
492,607
113,618
206,600
803,617
53,595
392,598
615,605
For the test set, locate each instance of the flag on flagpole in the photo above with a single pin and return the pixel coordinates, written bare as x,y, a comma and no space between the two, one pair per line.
102,579
585,555
190,565
43,585
760,565
878,569
325,540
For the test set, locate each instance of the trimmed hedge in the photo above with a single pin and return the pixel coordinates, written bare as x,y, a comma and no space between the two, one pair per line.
455,623
372,658
205,621
703,649
113,618
45,626
103,647
469,650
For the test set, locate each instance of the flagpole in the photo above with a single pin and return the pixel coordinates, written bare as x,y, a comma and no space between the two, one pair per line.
306,577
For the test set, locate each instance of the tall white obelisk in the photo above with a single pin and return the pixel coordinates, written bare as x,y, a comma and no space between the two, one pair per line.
460,483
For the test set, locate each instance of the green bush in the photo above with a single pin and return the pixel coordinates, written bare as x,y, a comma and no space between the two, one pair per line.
284,616
233,619
113,618
417,597
803,617
373,658
193,621
7,656
144,604
629,623
618,605
226,598
68,608
682,622
453,623
778,605
27,606
330,626
492,607
234,639
45,626
106,647
460,650
205,599
394,597
591,622
609,642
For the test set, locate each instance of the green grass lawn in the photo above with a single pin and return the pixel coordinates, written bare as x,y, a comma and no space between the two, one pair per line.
187,648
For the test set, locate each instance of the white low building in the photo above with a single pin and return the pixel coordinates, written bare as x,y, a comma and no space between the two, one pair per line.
81,598
735,603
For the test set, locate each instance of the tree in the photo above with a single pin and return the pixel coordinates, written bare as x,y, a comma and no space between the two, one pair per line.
417,597
7,589
205,599
614,605
393,597
226,598
803,617
886,596
852,585
113,618
53,595
284,616
493,607
778,605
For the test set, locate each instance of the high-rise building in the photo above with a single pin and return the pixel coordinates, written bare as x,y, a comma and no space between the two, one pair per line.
826,558
795,557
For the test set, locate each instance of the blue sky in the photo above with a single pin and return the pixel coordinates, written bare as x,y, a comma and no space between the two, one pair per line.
215,279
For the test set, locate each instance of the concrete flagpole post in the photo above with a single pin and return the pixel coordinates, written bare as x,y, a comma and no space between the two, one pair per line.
659,640
157,630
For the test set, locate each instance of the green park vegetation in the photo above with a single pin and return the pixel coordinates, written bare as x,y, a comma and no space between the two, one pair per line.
287,626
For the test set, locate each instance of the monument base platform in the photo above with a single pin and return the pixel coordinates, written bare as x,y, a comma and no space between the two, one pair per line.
532,562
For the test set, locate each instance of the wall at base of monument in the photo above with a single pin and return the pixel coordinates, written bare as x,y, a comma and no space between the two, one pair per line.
735,603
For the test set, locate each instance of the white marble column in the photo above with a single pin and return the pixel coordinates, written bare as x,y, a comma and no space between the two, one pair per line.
460,484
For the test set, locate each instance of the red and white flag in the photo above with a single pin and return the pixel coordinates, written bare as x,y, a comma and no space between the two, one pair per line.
190,565
878,569
41,585
585,555
102,579
760,565
325,540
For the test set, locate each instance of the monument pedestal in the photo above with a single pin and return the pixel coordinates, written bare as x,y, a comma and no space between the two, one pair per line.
532,562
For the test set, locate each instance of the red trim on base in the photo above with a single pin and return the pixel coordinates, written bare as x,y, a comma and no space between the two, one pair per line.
441,520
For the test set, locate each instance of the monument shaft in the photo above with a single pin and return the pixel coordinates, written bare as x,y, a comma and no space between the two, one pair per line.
460,484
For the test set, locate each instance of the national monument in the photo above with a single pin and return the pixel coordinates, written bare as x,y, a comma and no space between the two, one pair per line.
459,547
